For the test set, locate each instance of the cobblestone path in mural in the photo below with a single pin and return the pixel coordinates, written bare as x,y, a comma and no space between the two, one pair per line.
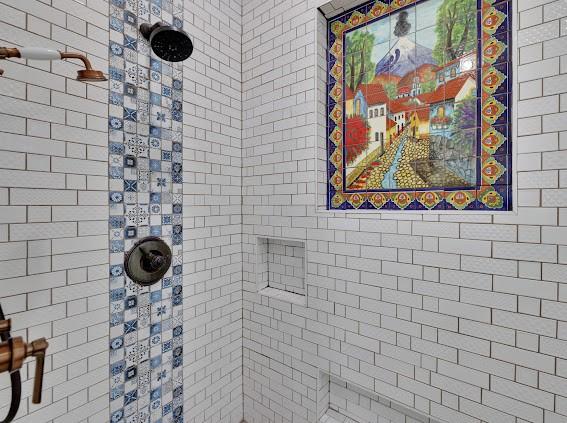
410,168
386,161
406,175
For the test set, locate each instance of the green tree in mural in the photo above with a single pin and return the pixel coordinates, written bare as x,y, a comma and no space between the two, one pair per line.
455,30
428,86
391,89
359,65
428,81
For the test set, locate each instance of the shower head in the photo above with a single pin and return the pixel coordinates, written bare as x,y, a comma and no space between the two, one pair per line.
88,74
85,75
168,42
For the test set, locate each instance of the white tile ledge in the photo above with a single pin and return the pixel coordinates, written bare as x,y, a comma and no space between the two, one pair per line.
332,416
278,294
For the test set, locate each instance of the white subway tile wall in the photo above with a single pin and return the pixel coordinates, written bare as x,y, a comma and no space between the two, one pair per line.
212,213
54,221
460,318
53,212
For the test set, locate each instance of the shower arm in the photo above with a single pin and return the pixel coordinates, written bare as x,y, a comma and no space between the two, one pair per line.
87,74
79,56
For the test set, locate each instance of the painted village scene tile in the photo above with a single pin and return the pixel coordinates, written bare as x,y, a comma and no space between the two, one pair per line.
413,113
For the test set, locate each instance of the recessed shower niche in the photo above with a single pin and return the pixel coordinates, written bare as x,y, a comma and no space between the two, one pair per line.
280,268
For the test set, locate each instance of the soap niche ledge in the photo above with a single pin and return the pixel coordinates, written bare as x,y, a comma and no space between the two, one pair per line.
341,401
281,265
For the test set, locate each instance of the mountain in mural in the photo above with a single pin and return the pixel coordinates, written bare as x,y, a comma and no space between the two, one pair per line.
404,56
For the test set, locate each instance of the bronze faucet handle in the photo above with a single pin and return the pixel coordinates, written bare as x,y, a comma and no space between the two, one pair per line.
37,349
5,325
14,351
6,52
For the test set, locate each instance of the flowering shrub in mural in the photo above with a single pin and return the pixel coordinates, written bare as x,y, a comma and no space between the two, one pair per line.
356,138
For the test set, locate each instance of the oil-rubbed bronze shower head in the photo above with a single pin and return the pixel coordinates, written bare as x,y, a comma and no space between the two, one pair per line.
87,74
167,41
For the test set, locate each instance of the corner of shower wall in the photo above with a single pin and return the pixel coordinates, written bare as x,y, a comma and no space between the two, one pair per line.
353,327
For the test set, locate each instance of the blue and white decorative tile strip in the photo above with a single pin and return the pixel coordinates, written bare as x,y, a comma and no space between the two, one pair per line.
145,197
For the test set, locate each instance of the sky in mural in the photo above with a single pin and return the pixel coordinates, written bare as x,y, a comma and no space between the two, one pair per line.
422,28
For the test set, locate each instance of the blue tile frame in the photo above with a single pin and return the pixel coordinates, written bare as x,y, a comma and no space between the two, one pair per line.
145,198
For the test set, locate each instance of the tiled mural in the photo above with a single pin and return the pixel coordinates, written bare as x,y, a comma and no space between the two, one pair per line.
419,106
145,169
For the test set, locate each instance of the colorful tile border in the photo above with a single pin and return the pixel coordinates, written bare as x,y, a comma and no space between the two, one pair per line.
493,191
146,197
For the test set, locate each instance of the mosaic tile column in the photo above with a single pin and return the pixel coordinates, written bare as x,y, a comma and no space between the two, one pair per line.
146,192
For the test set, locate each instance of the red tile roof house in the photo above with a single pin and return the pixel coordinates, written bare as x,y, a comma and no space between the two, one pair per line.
428,113
442,101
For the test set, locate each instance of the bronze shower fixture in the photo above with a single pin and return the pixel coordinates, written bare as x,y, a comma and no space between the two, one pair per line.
13,352
148,261
86,75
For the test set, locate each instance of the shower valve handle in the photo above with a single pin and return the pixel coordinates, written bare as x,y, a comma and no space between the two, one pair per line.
37,349
14,351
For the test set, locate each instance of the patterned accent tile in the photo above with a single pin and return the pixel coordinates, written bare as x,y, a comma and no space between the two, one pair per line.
145,169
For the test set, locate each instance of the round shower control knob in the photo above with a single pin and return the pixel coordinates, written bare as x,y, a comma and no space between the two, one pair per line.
148,261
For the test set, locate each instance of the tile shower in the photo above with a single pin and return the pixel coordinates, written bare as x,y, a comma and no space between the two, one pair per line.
406,316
